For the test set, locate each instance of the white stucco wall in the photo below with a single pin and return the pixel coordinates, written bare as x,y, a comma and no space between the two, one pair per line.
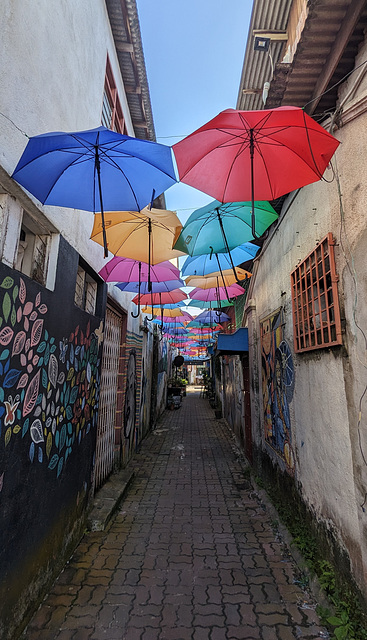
328,432
52,71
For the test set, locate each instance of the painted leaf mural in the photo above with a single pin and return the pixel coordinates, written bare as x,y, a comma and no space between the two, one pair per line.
36,431
36,332
31,394
7,283
22,291
53,382
19,343
6,335
53,370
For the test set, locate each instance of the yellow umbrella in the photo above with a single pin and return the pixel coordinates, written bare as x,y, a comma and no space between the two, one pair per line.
169,313
217,279
147,235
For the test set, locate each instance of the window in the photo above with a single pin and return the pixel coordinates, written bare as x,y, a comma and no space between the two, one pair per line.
85,291
316,315
112,116
33,250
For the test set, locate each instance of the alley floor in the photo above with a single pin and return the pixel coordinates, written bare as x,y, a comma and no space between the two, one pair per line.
190,555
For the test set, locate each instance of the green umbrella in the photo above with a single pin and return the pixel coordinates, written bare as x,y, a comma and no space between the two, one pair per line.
218,227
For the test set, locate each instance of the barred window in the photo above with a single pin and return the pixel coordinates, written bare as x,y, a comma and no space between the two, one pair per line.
32,251
112,116
85,291
316,314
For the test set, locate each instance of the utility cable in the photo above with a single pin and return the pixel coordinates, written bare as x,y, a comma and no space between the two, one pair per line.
334,85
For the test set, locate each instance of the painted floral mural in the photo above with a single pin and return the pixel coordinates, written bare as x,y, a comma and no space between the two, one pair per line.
49,388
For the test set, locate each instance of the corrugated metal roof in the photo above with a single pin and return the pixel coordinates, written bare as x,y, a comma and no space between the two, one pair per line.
125,27
257,65
329,41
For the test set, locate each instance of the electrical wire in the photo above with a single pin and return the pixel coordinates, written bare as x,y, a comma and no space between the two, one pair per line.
334,85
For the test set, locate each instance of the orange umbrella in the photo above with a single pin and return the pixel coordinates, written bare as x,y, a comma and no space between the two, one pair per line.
146,236
217,279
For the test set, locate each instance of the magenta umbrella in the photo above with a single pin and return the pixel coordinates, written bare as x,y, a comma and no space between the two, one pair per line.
216,293
128,270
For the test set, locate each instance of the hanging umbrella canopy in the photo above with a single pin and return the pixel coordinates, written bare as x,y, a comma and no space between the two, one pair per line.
145,236
216,294
120,269
243,155
199,326
217,279
208,262
157,298
175,305
212,316
177,331
202,304
166,317
221,227
95,170
157,287
168,313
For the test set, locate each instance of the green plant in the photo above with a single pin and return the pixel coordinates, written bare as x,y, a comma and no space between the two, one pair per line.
343,626
327,579
348,622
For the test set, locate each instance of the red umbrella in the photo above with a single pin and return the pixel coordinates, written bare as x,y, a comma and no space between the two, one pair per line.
240,155
167,297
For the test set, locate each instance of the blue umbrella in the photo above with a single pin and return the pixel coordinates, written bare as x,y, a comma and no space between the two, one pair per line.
208,262
156,287
95,170
170,306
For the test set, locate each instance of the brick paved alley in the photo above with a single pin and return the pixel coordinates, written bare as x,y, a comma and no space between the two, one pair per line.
191,553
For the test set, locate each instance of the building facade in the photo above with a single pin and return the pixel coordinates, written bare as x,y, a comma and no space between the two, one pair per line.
76,394
306,313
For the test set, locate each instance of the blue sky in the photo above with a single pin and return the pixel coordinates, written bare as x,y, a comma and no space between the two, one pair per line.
194,52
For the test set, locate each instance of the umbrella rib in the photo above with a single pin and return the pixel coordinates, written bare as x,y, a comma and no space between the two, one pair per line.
71,164
135,156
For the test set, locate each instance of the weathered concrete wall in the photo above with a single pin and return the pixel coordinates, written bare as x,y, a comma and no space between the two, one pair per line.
52,73
321,441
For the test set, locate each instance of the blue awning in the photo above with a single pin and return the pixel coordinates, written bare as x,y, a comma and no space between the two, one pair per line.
233,343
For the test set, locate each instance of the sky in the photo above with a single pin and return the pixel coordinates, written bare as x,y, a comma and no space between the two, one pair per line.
194,51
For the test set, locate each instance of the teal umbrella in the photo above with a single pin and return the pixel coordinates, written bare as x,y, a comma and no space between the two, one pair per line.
219,228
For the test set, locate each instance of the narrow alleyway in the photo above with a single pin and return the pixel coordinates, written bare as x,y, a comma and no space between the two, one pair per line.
191,554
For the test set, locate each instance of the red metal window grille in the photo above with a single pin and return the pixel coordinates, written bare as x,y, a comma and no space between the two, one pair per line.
315,303
112,116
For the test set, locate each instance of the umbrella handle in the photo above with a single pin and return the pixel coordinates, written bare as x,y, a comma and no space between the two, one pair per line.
152,318
138,314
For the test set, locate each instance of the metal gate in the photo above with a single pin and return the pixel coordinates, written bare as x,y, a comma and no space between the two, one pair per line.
108,398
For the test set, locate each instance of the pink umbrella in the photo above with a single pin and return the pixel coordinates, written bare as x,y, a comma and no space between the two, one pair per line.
217,293
128,270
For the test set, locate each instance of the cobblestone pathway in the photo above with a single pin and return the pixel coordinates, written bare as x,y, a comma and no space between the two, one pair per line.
190,555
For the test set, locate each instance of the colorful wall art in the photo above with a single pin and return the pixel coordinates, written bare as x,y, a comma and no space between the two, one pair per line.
277,373
49,395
